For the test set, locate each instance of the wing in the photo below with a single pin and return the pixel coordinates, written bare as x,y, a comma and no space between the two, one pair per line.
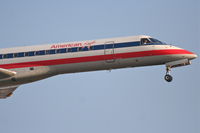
4,73
7,91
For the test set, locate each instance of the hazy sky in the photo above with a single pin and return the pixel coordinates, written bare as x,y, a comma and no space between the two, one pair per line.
134,100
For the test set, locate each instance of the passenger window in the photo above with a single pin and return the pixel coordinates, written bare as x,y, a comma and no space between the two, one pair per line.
74,49
64,50
80,48
40,52
145,41
19,55
32,53
52,51
91,47
5,56
8,56
85,48
1,56
69,49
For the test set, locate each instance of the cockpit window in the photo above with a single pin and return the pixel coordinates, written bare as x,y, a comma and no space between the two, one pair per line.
152,41
155,40
145,41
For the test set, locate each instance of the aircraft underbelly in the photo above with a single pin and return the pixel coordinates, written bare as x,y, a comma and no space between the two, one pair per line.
118,63
104,65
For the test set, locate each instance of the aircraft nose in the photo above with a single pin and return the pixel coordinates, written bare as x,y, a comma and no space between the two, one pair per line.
192,56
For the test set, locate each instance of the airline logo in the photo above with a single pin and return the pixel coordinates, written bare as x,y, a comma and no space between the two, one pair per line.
80,44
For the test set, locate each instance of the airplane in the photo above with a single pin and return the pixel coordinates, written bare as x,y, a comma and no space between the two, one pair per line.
28,64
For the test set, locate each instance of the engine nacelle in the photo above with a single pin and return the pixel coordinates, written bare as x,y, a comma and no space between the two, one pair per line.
178,63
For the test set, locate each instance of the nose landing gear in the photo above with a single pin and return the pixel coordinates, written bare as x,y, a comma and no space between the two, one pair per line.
173,64
168,77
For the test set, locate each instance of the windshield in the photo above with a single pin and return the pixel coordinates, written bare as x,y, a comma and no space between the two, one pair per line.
150,41
156,41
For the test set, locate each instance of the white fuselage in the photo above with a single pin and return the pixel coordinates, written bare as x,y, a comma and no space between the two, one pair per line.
34,63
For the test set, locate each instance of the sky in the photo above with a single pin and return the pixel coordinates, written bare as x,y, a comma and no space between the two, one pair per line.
121,101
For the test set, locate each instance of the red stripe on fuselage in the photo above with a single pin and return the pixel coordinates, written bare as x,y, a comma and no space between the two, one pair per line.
95,58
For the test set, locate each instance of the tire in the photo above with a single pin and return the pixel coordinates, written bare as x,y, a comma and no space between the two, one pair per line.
168,78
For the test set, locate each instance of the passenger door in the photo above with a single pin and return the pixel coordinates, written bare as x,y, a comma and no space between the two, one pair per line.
109,52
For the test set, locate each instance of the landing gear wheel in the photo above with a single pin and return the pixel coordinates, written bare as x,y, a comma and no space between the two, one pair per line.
168,78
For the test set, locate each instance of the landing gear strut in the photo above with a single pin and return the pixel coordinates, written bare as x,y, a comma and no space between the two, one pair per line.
168,77
173,64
